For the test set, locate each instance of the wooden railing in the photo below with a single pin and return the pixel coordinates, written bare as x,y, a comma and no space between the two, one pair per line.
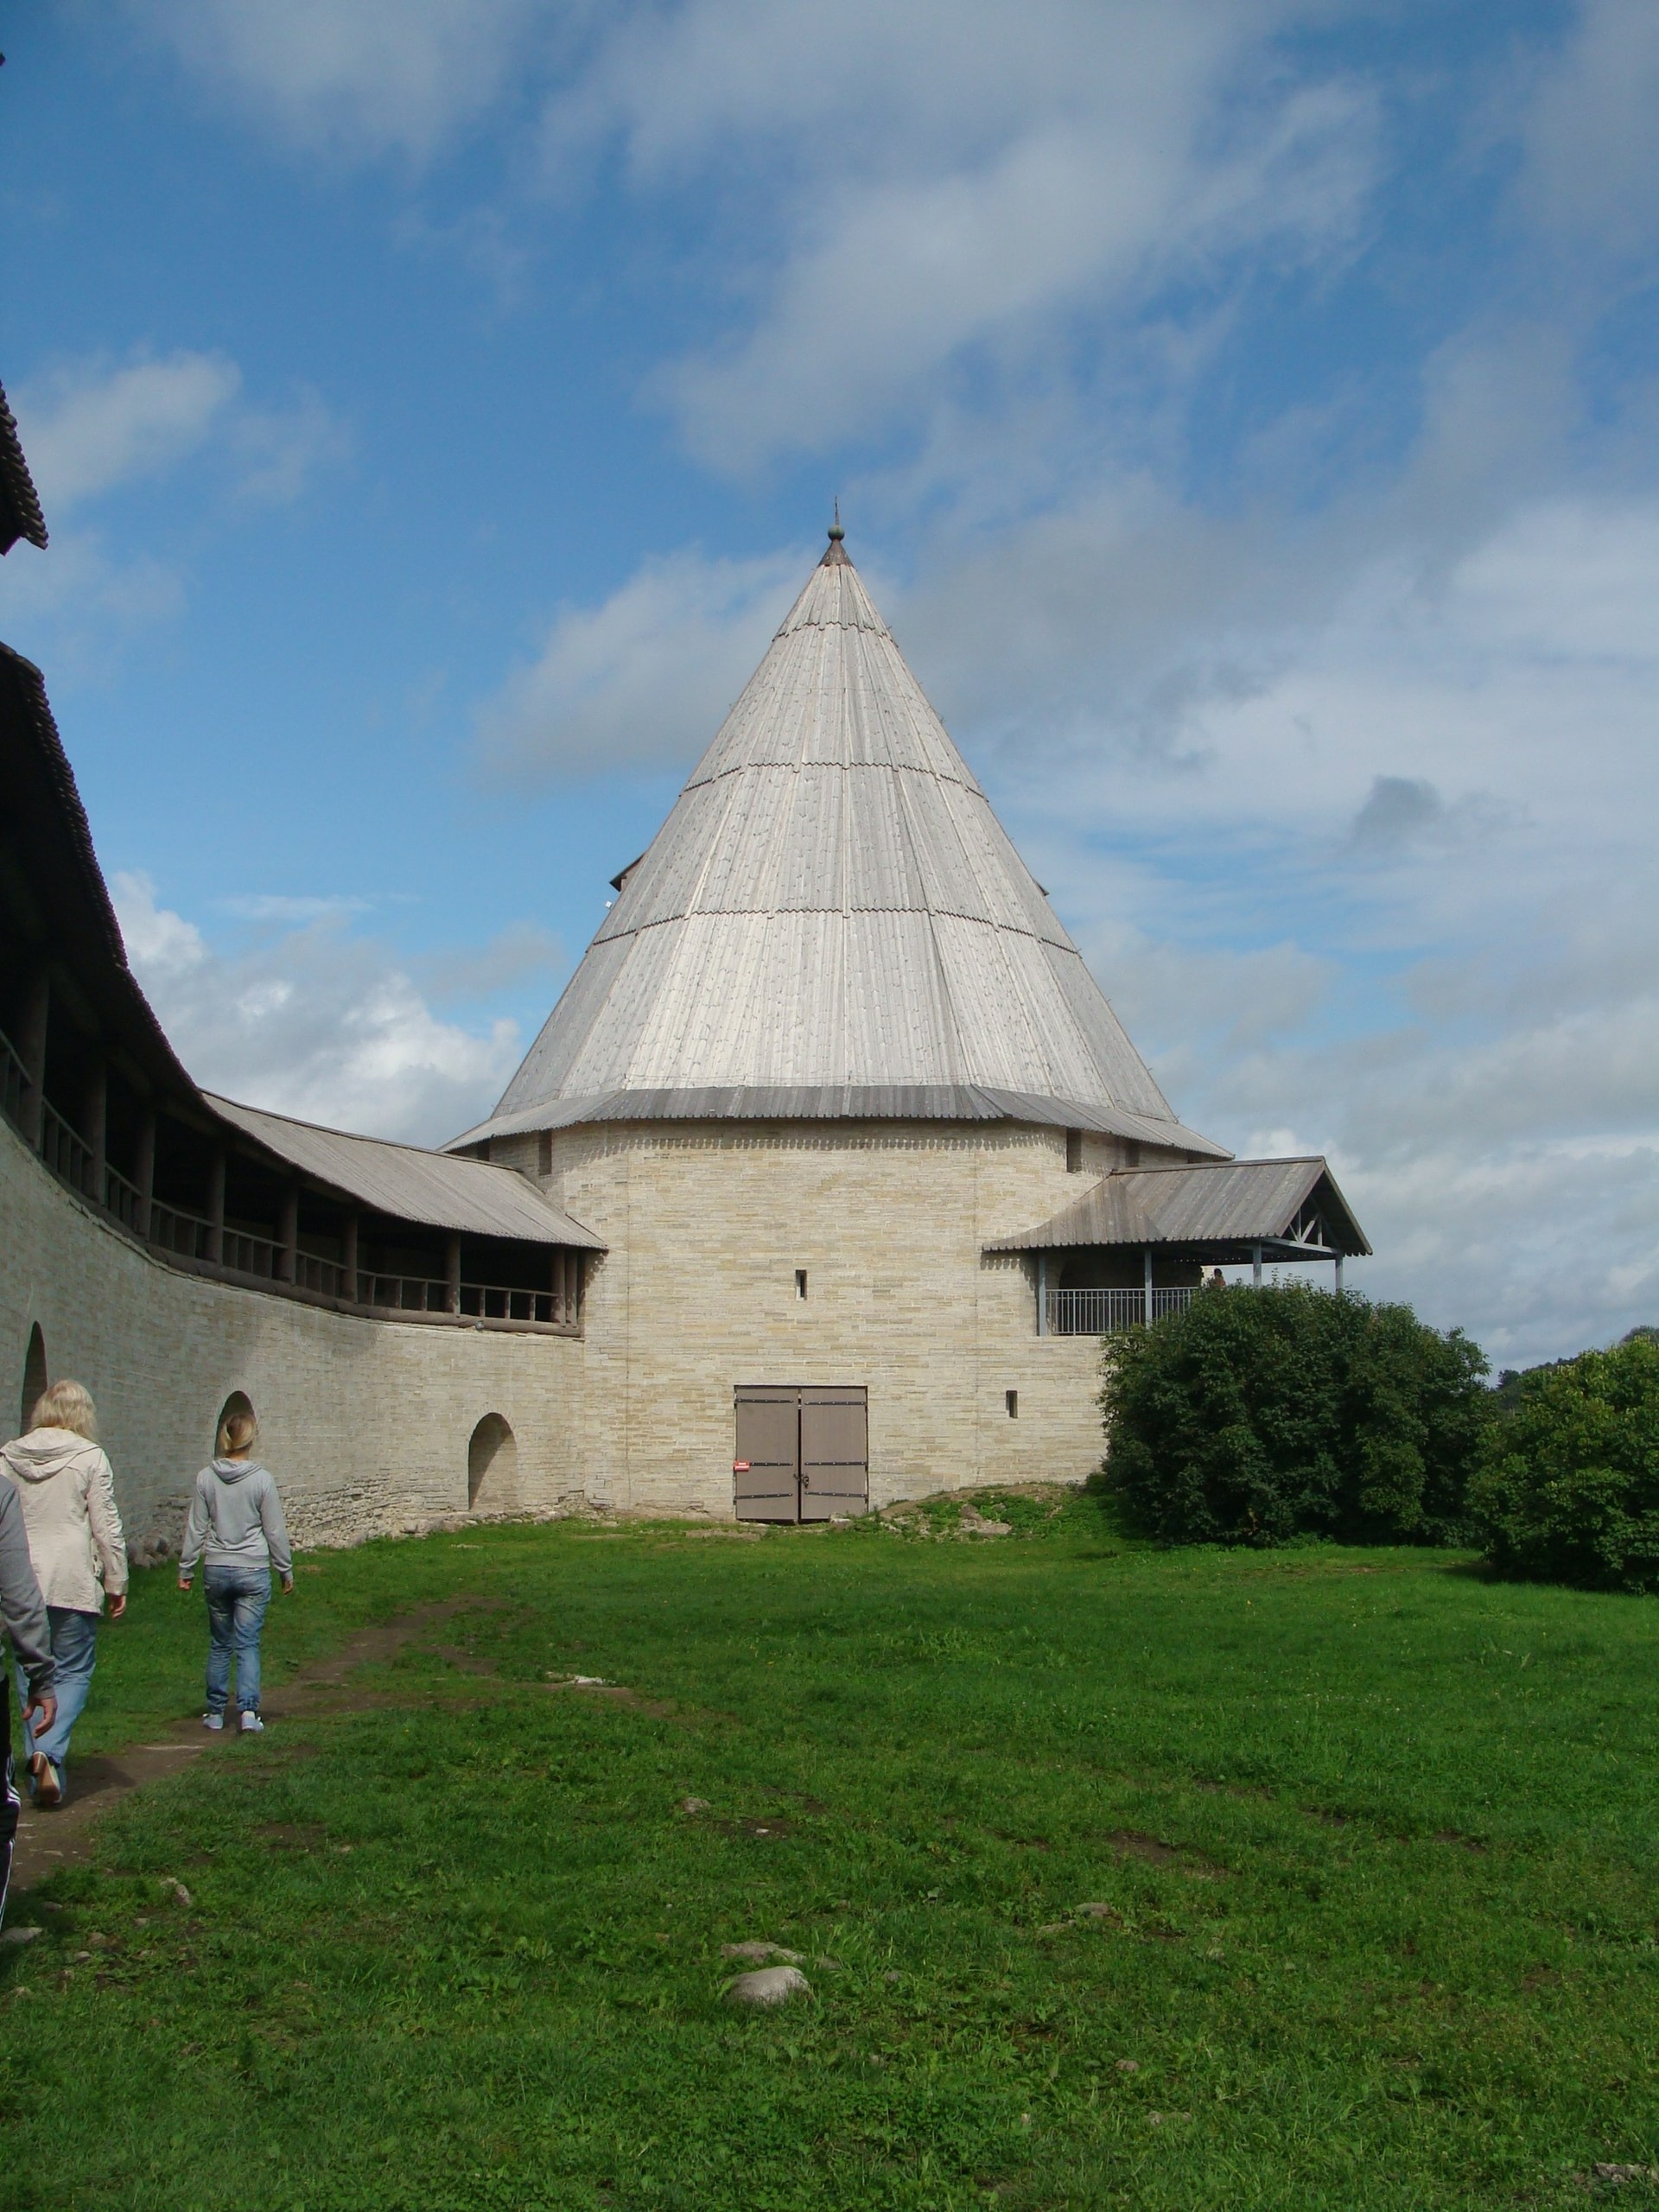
14,1081
183,1234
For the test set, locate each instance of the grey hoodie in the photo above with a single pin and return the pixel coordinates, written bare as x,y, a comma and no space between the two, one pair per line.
236,1519
21,1606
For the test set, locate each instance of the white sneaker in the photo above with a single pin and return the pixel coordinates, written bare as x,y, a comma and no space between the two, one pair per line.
252,1725
213,1720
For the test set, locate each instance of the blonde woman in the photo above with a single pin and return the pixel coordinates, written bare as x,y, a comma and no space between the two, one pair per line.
236,1529
66,1492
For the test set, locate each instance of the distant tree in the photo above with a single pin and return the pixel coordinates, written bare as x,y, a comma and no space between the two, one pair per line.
1256,1416
1568,1488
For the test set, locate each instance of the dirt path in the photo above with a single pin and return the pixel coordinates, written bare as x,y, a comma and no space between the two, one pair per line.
48,1840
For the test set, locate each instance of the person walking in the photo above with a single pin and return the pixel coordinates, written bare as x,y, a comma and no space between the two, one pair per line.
67,1491
236,1529
24,1610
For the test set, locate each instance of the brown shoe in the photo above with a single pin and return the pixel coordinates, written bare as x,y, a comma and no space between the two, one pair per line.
48,1783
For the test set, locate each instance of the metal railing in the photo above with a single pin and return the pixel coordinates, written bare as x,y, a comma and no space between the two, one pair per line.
1098,1313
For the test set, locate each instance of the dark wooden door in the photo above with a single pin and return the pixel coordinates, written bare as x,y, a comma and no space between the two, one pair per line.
767,1464
803,1452
835,1453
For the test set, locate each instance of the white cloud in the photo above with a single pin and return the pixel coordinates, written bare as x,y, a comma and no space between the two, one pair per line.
89,429
644,679
92,428
280,450
1592,152
351,76
1106,158
314,1022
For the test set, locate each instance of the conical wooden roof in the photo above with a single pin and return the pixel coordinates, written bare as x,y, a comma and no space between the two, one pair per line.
833,922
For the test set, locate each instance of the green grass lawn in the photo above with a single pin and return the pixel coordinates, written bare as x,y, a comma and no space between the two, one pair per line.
1373,1837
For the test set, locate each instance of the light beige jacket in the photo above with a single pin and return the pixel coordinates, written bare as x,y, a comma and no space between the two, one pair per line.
67,1494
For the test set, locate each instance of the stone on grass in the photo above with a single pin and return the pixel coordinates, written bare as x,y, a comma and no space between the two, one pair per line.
20,1935
769,1986
972,1522
757,1954
694,1804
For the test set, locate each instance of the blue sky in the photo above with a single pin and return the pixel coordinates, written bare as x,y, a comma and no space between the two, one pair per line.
1244,411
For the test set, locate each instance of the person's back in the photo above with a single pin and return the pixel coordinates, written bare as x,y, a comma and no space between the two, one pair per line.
236,1530
22,1612
65,1490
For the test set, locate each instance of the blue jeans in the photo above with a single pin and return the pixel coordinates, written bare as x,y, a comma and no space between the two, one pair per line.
75,1654
236,1597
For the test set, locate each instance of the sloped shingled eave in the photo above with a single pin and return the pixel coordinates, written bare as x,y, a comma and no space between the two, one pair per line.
20,504
841,1103
411,1184
1221,1206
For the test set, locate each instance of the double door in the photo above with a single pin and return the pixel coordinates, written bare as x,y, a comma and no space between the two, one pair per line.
802,1450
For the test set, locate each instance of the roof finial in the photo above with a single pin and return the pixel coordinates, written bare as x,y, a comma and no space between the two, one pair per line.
836,533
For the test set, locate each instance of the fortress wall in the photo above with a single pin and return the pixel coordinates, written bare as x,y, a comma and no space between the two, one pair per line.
707,1223
366,1423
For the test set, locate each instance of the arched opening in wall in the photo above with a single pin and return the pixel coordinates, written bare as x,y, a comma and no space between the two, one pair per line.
35,1377
492,1463
237,1406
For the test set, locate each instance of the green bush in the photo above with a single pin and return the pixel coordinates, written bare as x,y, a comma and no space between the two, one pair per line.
1257,1416
1568,1487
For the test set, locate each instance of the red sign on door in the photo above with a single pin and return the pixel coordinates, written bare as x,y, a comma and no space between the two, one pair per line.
740,1467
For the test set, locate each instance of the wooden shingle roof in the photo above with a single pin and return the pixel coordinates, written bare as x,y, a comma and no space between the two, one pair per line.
833,914
20,504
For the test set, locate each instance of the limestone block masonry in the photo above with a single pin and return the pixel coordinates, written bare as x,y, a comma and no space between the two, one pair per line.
708,1225
366,1423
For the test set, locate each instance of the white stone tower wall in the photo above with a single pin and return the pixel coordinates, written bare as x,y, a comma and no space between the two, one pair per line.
707,1223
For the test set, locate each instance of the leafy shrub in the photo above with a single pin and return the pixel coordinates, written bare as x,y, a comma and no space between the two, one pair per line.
1568,1486
1256,1416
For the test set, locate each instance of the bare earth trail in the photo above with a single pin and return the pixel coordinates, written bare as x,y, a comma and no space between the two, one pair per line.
48,1840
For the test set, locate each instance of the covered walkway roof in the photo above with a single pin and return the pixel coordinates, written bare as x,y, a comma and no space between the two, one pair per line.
1227,1211
410,1184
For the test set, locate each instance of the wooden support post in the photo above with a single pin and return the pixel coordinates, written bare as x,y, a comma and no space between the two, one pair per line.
1042,1293
31,1050
216,1206
95,1128
1148,1287
287,1236
143,1174
1338,1275
349,1258
452,1272
1255,1267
